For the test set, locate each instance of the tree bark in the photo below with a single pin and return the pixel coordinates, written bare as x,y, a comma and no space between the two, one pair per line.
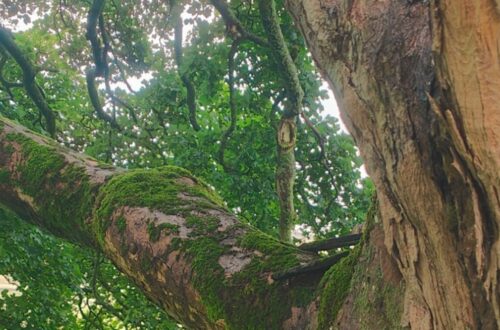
417,84
165,229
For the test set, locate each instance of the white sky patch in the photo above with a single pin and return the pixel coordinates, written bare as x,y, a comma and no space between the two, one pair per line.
331,107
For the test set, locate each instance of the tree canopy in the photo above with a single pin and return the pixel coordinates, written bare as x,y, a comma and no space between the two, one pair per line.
203,85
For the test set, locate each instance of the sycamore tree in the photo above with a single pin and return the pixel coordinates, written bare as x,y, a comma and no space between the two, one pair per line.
151,87
230,97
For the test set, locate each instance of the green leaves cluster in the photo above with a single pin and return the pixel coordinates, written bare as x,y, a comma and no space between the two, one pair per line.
61,284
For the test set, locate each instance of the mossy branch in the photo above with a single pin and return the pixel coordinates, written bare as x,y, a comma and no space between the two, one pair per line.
286,132
165,229
281,55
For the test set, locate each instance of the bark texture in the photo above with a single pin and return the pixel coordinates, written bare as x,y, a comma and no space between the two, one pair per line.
165,229
417,83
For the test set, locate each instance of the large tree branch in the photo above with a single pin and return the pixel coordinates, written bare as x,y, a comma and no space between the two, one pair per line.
29,73
165,229
99,53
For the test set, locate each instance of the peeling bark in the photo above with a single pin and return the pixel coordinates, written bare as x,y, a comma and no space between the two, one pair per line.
417,84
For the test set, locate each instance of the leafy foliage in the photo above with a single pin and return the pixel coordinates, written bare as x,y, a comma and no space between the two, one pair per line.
61,284
149,102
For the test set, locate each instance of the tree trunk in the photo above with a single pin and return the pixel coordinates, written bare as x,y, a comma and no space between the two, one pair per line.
418,85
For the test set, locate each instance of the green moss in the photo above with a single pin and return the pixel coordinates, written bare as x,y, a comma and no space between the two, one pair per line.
202,226
378,304
247,300
302,296
4,177
155,231
145,263
208,277
61,191
176,244
335,286
9,149
383,302
254,302
156,189
121,224
337,282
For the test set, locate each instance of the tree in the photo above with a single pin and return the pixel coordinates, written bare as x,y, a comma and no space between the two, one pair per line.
411,79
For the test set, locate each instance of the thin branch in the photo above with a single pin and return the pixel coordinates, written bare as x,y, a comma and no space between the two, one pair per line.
7,85
232,104
234,26
322,157
29,73
331,243
190,89
99,300
94,99
314,266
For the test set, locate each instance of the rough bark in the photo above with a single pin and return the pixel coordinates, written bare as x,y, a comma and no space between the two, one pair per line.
165,229
418,87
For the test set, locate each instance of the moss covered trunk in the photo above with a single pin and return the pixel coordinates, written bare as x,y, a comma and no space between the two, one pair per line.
165,229
418,84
